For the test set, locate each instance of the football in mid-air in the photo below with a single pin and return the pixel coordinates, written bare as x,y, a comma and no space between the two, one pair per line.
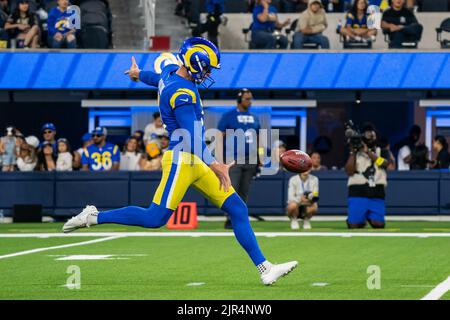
296,161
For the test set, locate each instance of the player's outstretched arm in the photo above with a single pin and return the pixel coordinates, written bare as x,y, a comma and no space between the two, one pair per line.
147,77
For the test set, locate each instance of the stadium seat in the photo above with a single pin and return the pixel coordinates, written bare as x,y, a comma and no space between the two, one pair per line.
435,5
445,27
292,28
353,44
94,37
405,45
95,25
246,32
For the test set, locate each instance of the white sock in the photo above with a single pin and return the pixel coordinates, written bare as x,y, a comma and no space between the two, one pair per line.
264,267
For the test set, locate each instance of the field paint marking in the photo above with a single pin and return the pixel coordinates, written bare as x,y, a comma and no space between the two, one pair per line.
21,253
441,289
193,284
221,234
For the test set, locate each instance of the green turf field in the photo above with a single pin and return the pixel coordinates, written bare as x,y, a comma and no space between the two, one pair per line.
215,267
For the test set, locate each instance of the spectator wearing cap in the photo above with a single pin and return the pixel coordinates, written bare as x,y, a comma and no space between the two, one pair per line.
59,31
101,155
23,25
164,142
130,157
401,24
86,140
64,161
27,159
46,157
312,23
265,21
49,135
154,129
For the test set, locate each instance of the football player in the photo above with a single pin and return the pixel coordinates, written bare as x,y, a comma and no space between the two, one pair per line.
188,162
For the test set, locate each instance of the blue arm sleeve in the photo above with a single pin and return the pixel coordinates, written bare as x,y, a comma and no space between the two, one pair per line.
185,116
150,78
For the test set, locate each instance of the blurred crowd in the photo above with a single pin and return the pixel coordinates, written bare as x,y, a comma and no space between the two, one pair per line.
51,23
143,150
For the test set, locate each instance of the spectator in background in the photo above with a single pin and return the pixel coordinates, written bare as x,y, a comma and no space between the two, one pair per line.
86,140
139,136
64,161
313,22
151,159
385,147
8,151
154,129
407,146
130,156
59,31
400,24
49,135
215,10
101,155
356,23
27,159
46,157
23,26
440,145
303,197
419,158
336,5
164,142
3,18
316,162
265,20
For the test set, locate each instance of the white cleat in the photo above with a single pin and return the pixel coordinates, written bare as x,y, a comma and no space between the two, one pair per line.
86,218
294,224
277,271
306,224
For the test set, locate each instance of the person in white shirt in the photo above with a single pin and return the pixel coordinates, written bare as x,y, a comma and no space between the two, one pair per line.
129,158
405,152
64,161
303,197
27,159
154,129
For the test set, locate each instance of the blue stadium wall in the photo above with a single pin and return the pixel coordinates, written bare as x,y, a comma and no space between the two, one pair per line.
287,70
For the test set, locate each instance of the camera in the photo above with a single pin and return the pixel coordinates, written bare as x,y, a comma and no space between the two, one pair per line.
354,136
310,196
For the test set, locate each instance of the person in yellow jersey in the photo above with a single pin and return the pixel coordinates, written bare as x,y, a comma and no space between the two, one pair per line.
188,162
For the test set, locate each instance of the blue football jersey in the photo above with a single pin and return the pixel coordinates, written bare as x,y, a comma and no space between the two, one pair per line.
100,159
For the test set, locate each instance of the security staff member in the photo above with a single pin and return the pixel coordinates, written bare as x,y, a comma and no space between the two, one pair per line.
244,150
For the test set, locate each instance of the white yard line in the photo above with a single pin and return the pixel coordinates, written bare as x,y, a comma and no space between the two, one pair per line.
223,234
441,289
21,253
431,218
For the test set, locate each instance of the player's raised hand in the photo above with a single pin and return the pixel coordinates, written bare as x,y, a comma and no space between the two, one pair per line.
134,70
222,172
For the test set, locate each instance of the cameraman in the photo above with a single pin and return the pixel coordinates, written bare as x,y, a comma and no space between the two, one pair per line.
303,197
366,168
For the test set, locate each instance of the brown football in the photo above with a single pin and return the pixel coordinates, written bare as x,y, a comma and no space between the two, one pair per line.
296,161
